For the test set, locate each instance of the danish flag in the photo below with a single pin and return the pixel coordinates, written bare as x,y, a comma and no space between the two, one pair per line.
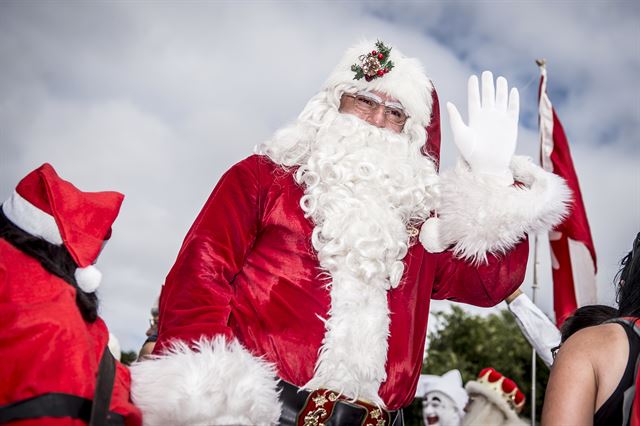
573,256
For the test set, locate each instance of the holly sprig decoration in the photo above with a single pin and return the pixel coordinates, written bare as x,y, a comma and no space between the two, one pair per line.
373,64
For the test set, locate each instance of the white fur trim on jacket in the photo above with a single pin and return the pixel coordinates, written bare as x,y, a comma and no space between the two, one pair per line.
31,219
354,350
215,383
478,215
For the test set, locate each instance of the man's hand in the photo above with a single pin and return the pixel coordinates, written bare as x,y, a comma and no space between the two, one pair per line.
489,141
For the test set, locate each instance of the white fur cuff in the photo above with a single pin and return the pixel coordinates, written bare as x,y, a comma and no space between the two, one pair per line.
216,382
478,215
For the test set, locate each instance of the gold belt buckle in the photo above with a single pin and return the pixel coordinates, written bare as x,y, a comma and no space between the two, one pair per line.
320,404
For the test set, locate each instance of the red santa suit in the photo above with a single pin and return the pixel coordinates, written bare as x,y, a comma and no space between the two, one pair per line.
247,298
50,354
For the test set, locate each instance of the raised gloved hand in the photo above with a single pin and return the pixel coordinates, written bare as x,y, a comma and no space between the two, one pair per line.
489,141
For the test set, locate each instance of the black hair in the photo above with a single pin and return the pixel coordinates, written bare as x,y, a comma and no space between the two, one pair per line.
586,316
628,278
55,259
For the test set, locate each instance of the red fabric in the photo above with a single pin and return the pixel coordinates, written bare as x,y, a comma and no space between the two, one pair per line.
432,147
247,269
45,345
575,226
83,218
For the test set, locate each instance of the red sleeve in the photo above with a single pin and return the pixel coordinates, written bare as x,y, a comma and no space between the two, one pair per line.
484,285
195,299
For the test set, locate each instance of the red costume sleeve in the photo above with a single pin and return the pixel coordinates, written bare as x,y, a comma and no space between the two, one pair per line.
195,299
486,284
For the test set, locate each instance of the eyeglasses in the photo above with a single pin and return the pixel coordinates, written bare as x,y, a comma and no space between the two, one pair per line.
366,104
153,322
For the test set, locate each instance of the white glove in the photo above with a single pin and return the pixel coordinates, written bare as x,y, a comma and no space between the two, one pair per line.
489,141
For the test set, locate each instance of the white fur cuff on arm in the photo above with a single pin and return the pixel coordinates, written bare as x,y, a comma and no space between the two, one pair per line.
478,215
216,382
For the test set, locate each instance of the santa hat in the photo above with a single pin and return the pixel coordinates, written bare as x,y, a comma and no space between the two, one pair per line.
48,207
403,78
450,384
393,73
499,390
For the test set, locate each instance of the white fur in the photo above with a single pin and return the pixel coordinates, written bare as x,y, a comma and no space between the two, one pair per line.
88,278
215,383
430,236
31,219
479,215
483,415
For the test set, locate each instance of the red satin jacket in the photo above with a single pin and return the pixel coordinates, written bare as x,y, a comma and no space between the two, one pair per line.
247,270
45,344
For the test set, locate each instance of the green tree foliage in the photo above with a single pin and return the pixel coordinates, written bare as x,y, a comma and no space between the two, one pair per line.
470,343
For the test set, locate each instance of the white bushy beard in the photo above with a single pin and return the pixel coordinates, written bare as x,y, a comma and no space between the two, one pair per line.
364,187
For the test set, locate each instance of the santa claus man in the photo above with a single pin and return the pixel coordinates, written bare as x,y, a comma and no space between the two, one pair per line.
301,293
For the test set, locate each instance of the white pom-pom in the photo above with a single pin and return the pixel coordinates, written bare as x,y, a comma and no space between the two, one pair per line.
430,236
88,278
114,347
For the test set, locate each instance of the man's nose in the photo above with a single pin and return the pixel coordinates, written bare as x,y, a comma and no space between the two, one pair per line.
377,117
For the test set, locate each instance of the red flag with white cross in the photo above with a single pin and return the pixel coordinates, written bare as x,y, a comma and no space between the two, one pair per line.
573,256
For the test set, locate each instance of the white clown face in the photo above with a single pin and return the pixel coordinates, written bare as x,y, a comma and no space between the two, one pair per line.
440,410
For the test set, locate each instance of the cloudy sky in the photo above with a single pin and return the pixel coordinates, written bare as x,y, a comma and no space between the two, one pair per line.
157,100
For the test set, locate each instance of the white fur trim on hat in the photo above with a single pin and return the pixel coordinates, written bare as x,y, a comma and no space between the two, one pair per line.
407,81
88,278
31,219
215,383
493,397
480,215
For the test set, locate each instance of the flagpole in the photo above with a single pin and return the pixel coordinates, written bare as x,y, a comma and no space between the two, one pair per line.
534,288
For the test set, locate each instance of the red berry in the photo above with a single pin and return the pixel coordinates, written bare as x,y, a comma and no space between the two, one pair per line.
374,52
386,70
380,56
380,73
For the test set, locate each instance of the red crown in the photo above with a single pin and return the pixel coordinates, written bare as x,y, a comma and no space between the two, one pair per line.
503,386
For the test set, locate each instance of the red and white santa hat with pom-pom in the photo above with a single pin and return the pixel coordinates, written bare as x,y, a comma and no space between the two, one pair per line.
46,206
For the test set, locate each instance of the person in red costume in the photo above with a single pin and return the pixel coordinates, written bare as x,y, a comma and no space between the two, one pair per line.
56,368
306,278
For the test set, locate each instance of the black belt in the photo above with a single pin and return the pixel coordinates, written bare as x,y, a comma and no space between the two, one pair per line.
53,404
343,412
